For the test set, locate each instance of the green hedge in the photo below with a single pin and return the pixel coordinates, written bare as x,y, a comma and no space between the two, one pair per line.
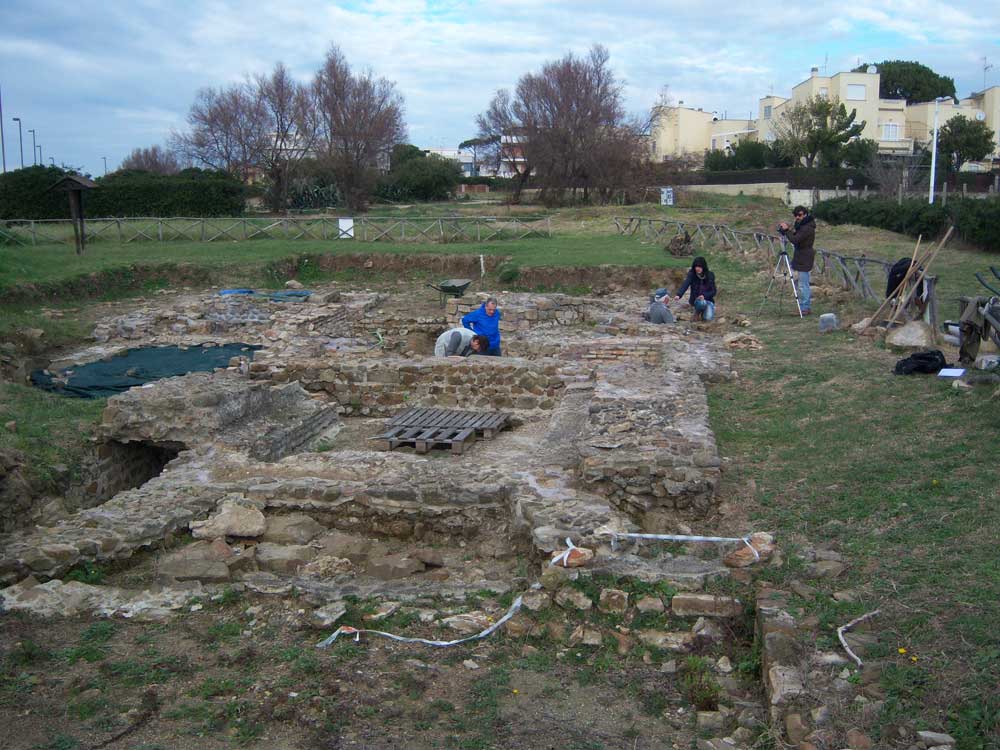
976,221
25,194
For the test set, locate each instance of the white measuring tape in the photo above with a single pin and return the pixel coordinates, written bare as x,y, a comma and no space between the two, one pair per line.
356,632
615,535
563,557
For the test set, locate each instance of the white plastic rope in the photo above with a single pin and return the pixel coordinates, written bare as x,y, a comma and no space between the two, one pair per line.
615,535
356,632
563,557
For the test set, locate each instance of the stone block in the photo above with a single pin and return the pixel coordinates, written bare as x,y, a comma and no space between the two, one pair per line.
295,528
206,571
283,558
613,600
696,605
668,641
572,598
232,519
390,567
784,684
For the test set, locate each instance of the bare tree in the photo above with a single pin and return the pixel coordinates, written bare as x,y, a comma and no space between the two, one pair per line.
290,130
360,119
498,125
154,159
228,130
567,127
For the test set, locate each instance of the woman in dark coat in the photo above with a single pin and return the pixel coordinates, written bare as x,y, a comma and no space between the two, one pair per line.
701,282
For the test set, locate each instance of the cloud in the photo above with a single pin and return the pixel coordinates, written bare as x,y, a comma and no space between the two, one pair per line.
139,64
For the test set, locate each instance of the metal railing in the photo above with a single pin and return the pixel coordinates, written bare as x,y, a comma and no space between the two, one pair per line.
443,229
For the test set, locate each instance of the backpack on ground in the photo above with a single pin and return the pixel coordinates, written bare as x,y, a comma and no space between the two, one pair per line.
921,362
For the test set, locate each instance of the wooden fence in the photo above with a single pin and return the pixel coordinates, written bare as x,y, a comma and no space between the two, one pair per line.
365,229
854,273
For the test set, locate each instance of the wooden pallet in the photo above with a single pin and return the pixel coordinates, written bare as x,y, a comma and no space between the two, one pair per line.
426,428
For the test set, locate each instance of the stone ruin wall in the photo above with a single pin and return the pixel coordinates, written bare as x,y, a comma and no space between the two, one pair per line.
116,467
649,449
521,312
382,387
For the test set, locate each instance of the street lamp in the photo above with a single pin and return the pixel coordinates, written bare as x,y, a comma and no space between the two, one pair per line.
34,148
3,146
937,104
20,139
105,165
41,161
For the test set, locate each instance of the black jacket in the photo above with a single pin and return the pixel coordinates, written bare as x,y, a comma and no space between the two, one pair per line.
803,235
700,286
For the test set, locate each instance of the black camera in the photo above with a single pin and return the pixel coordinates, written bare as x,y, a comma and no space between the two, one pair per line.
781,229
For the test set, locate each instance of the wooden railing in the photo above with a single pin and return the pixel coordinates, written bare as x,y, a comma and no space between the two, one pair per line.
852,272
365,229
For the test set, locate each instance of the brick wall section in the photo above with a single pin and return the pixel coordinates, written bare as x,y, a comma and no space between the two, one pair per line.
634,351
648,447
523,311
116,467
382,387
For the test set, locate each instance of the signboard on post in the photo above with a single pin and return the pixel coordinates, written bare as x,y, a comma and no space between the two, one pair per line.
666,196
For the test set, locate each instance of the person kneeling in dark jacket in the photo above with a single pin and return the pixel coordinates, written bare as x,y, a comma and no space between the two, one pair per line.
701,282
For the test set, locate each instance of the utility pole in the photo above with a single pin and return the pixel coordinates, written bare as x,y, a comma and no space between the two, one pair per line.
34,148
105,165
3,147
20,139
41,161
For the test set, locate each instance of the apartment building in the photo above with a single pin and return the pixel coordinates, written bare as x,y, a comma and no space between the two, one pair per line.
680,131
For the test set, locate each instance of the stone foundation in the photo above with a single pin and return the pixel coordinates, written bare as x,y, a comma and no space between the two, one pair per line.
648,447
382,387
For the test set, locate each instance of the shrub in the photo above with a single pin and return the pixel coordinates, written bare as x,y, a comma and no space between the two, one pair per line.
25,194
976,221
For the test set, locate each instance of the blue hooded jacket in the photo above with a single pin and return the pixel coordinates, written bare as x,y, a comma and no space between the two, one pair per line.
487,325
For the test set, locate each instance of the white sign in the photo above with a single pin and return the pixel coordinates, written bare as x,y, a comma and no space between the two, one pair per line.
346,227
666,196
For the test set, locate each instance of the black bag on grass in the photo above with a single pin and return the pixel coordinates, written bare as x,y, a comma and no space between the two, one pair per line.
923,362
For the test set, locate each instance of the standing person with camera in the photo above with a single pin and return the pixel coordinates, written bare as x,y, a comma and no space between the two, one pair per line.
802,235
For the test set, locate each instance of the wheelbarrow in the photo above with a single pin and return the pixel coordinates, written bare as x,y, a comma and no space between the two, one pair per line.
451,288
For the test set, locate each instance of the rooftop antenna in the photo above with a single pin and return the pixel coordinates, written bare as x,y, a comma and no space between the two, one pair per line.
986,67
826,63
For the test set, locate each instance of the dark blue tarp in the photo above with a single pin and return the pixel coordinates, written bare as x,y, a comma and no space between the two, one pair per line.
134,367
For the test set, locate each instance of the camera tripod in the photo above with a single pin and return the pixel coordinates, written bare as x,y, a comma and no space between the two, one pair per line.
783,268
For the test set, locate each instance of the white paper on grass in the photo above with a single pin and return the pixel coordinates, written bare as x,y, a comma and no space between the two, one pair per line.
951,372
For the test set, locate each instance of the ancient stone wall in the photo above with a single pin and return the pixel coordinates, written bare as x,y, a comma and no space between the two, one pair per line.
116,467
382,387
648,447
523,311
590,351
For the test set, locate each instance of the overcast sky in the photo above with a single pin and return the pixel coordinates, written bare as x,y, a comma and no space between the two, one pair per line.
97,79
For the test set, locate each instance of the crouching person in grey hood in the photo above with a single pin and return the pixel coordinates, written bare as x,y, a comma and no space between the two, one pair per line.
659,312
460,342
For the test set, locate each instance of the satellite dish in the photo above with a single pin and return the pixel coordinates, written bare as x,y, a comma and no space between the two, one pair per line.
872,69
980,115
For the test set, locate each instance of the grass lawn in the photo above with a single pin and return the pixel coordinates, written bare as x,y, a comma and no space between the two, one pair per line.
900,474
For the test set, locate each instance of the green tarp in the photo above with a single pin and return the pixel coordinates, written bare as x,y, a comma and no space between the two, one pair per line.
134,367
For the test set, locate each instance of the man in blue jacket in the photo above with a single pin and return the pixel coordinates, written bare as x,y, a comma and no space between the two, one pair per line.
486,321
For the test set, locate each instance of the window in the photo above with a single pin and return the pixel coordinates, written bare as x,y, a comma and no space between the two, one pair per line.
890,131
713,144
767,112
825,92
856,92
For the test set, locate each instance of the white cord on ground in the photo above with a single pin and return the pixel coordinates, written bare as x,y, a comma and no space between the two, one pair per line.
356,632
563,557
615,535
844,628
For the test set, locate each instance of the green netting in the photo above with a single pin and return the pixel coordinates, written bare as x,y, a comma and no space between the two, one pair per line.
134,367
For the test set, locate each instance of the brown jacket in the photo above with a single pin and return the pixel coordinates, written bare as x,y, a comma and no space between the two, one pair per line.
803,235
